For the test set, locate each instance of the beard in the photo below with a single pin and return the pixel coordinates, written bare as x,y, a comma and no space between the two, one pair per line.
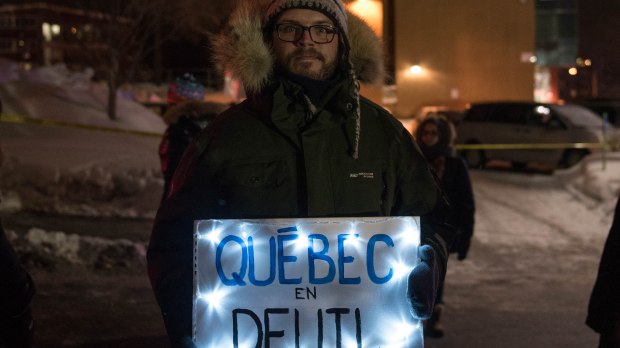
325,71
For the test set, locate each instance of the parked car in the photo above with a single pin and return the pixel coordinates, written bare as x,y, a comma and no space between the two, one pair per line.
528,123
604,107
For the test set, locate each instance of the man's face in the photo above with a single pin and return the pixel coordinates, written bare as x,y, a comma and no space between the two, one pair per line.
306,57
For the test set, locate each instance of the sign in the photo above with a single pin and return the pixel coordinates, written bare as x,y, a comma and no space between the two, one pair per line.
305,283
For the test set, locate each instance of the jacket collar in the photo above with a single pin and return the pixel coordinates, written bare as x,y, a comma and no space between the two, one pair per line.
283,105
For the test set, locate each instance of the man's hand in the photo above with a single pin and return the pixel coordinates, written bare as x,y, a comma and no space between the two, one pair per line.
462,248
423,283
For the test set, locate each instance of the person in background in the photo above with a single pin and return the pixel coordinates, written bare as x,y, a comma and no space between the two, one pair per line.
604,307
435,136
303,144
16,293
185,120
186,116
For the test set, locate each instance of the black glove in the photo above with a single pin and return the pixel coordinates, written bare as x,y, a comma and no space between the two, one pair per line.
17,331
463,248
423,283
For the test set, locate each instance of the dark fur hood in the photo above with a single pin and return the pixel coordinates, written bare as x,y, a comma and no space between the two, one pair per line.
241,48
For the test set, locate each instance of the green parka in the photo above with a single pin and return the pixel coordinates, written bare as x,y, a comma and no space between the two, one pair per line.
276,155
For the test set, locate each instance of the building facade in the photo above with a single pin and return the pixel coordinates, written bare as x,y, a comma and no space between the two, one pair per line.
35,34
453,52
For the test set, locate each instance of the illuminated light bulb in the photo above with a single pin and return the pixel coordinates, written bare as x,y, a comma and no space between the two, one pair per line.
213,298
401,269
572,71
213,236
302,241
350,344
352,229
408,236
587,62
406,328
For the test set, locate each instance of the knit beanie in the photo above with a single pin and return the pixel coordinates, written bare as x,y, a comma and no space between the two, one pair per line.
334,9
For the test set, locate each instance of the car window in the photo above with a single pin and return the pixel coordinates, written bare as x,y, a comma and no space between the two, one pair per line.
478,113
538,115
579,116
509,113
556,122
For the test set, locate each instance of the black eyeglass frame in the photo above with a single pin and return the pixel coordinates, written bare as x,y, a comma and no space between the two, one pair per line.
300,29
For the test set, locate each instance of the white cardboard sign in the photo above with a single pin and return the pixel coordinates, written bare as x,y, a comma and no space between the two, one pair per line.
324,282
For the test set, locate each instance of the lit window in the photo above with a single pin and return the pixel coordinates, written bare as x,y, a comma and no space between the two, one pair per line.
55,29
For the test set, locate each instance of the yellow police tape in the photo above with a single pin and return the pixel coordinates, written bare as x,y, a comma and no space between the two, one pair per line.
529,146
47,122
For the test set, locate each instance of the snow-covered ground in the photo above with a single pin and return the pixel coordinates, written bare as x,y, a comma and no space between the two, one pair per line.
73,171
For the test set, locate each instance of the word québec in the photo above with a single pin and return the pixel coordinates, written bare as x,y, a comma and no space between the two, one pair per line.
338,263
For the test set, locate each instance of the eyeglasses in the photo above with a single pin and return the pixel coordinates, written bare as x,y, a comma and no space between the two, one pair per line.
320,34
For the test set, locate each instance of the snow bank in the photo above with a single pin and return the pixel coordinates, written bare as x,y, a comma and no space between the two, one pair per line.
596,180
71,170
50,249
93,191
60,95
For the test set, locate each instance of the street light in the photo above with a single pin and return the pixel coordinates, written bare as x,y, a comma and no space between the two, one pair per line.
371,11
416,70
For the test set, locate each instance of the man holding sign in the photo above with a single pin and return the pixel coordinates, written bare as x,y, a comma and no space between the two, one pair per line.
304,144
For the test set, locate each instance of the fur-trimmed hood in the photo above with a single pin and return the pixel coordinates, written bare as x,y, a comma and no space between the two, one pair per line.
242,49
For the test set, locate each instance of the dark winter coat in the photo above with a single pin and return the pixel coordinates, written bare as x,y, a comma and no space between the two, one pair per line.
454,181
254,162
604,308
276,155
16,286
185,120
16,292
456,185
